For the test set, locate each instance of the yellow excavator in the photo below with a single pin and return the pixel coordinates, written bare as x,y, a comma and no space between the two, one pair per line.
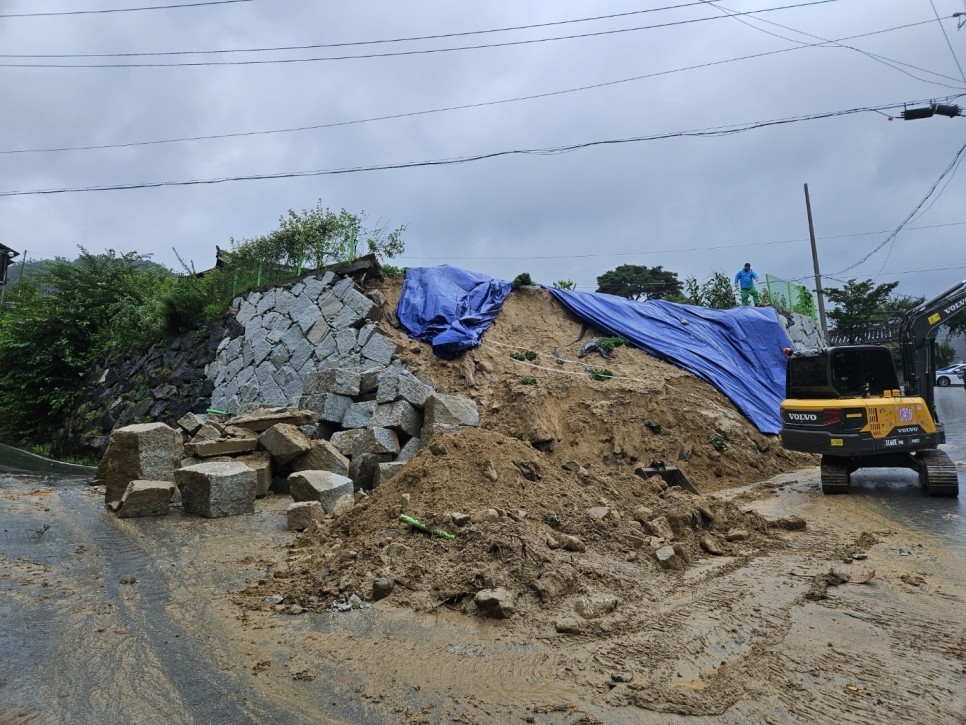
846,403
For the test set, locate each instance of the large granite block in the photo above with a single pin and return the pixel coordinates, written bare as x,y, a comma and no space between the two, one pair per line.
217,489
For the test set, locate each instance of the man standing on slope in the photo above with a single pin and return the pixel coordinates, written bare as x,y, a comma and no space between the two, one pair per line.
746,279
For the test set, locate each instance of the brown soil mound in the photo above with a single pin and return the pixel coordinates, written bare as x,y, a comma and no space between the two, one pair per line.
552,460
601,424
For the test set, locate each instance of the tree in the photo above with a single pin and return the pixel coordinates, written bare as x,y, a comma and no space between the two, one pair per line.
306,240
636,281
896,307
716,292
60,321
857,306
314,238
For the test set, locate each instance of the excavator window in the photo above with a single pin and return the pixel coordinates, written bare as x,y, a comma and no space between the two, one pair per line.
807,378
861,371
844,372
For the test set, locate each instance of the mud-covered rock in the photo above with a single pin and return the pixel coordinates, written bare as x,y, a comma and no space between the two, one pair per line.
593,606
495,603
301,515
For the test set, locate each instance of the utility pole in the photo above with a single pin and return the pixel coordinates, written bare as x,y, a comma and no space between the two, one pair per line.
818,274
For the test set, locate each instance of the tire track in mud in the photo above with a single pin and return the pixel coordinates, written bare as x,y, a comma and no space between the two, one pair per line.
880,671
700,649
103,649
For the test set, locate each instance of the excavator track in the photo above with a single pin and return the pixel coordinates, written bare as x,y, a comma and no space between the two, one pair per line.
835,476
937,473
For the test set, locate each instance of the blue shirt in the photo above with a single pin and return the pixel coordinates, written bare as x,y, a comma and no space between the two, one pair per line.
746,278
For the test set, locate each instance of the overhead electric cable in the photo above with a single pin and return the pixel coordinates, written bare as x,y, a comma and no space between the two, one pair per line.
949,169
946,36
890,62
645,252
921,212
121,10
395,54
318,46
409,114
547,151
841,281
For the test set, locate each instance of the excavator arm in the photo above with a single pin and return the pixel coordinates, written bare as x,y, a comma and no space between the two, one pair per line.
917,334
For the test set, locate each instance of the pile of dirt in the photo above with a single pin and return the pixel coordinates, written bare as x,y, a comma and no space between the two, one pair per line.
542,498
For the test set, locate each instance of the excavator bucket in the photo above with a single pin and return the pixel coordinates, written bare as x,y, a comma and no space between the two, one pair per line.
671,475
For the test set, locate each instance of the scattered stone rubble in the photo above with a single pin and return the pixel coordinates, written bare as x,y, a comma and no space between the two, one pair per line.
221,467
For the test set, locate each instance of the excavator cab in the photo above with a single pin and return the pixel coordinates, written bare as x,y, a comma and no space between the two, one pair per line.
846,404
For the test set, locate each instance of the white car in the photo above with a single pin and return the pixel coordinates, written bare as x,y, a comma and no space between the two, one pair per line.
950,375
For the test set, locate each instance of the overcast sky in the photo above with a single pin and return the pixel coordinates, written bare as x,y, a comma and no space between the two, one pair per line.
695,205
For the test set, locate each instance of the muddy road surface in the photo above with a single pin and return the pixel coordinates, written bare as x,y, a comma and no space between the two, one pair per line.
108,620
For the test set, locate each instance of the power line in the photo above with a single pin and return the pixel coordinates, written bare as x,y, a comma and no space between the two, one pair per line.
890,62
394,54
481,104
317,46
950,168
946,36
121,10
922,212
642,253
840,281
547,151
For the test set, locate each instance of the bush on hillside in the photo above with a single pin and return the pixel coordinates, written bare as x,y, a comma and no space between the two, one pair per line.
59,323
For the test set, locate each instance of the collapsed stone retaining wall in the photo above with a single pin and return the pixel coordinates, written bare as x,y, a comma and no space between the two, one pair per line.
255,353
292,331
803,331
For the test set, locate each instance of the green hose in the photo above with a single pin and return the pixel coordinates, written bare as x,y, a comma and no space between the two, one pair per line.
417,524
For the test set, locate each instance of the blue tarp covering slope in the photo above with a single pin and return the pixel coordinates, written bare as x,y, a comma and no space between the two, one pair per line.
739,351
449,307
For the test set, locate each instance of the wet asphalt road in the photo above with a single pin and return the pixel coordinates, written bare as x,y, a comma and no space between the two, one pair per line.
106,620
896,494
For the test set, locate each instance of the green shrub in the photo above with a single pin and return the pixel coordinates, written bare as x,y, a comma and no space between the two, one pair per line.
607,344
600,374
391,270
529,381
526,355
521,280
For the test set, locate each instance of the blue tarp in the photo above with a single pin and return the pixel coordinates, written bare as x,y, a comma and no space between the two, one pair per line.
449,307
739,351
